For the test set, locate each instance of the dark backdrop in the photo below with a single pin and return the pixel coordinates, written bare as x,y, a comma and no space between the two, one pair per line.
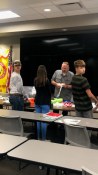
51,51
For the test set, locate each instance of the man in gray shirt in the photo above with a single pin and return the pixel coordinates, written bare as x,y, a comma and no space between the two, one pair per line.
63,78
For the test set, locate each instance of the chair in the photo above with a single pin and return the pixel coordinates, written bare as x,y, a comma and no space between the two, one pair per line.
78,136
86,171
12,126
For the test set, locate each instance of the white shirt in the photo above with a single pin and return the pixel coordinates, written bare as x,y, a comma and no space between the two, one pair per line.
16,84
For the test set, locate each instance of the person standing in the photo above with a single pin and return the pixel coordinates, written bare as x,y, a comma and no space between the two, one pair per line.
63,77
82,94
42,98
17,93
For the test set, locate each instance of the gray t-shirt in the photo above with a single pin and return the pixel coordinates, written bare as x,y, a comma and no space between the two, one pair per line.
58,77
16,85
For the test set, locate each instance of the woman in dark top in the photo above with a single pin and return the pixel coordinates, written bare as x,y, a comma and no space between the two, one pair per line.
42,99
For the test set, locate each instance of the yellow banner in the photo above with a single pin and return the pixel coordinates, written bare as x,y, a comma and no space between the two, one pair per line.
4,58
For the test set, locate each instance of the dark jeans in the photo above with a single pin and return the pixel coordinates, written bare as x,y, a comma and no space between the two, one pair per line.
64,113
17,102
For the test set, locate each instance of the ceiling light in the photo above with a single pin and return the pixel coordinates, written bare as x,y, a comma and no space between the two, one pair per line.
76,49
8,14
55,40
47,10
64,30
65,45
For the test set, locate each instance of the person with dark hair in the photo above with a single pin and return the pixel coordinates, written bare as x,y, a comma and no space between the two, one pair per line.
42,98
82,94
17,93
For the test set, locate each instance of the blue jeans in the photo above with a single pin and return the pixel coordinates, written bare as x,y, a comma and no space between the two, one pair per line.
17,102
40,125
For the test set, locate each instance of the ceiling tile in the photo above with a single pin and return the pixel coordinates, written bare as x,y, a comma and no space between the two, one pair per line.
41,9
32,17
25,12
12,20
64,1
77,12
53,15
4,20
17,19
16,8
95,10
91,4
40,4
83,0
86,0
20,7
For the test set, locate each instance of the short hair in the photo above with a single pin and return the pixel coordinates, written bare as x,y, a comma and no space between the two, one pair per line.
79,63
66,63
17,62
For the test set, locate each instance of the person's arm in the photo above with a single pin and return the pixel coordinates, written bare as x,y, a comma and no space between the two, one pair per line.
23,91
54,82
85,85
21,88
91,96
67,86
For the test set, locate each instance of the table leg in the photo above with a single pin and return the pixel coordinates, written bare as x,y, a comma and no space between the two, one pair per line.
1,106
20,168
35,130
56,172
48,171
69,112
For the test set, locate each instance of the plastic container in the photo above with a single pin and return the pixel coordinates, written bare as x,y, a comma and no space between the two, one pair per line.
59,100
31,100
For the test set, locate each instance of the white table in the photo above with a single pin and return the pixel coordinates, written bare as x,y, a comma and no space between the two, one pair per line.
9,142
56,156
87,122
27,116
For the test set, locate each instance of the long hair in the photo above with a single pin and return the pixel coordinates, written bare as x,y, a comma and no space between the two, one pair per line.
41,76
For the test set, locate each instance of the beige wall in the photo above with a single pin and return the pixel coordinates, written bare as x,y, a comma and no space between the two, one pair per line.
53,23
5,43
18,29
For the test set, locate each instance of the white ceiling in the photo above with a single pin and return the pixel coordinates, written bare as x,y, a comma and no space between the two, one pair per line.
34,9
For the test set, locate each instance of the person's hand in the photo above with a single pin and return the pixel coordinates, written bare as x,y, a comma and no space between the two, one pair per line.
64,85
96,104
25,100
58,85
